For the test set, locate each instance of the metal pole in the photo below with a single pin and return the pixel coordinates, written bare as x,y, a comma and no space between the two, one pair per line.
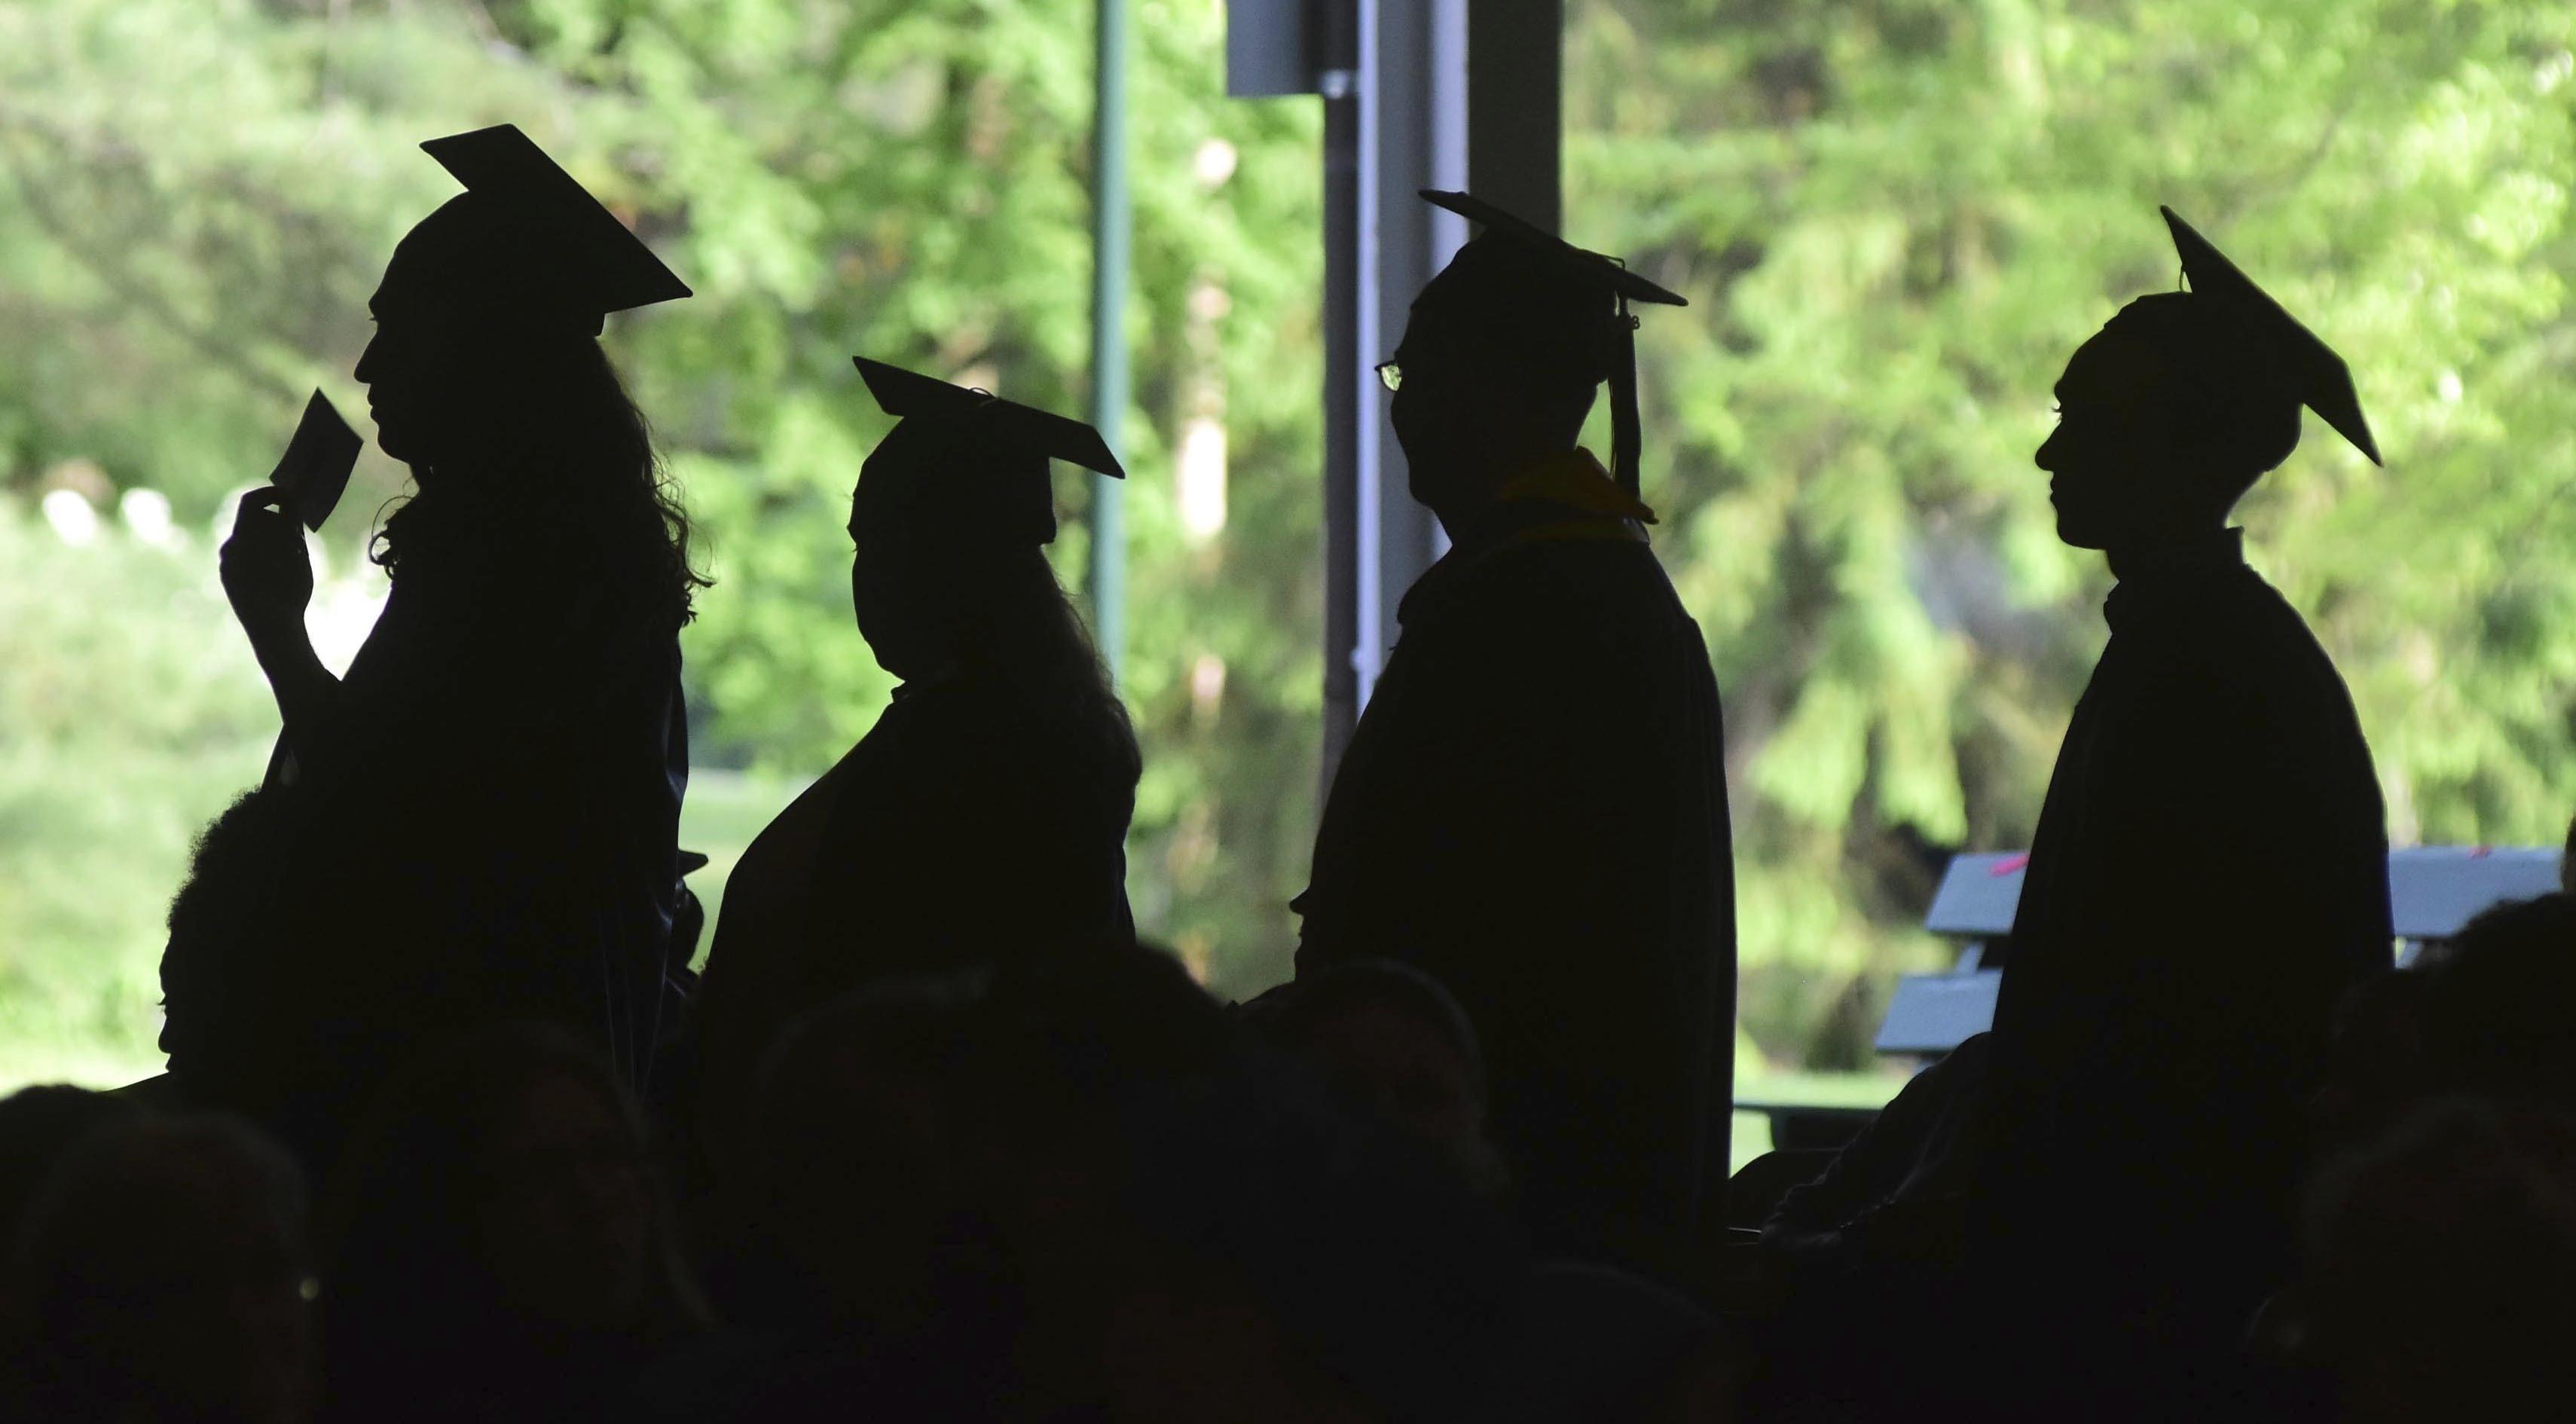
1413,128
1516,106
1109,245
1342,377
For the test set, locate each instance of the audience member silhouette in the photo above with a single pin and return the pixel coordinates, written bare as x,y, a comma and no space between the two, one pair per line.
1590,1341
2378,1062
855,1247
985,814
2207,880
496,1246
859,1143
159,1277
38,1126
479,821
1060,1186
1391,1044
1533,807
2495,1012
1207,1239
2438,1260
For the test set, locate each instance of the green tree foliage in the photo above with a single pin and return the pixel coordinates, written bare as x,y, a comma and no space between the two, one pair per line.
1897,218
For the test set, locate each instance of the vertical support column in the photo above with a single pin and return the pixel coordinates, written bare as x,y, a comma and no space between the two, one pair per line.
1346,388
1516,118
1417,94
1413,135
1109,249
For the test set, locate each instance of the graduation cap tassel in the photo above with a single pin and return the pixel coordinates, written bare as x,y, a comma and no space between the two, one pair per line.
1623,405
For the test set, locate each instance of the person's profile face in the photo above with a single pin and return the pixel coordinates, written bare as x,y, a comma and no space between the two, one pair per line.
1433,410
880,578
1406,373
2109,459
392,367
405,365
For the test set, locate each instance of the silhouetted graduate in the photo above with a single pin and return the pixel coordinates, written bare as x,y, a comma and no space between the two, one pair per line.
479,822
1533,808
2207,880
984,816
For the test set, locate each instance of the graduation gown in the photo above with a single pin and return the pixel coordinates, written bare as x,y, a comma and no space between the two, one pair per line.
1533,811
2208,878
967,825
484,828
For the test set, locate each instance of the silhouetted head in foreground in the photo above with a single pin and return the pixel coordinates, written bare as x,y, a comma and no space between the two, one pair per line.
1502,355
862,1161
161,1275
2177,406
38,1126
2437,1269
2496,1010
226,875
1389,1041
486,374
1147,1221
495,1204
2376,1061
1206,1238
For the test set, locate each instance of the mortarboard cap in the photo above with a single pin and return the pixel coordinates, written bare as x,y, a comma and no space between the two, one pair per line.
1017,440
315,468
1581,268
543,239
2289,356
1589,276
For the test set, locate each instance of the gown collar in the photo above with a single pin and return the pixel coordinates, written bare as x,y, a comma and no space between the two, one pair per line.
1563,496
2173,570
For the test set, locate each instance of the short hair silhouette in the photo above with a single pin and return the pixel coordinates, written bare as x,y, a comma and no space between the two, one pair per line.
2437,1266
39,1125
2497,1008
1360,1025
1293,1012
418,1297
161,1274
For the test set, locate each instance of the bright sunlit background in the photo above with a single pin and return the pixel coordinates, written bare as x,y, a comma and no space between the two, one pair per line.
1893,218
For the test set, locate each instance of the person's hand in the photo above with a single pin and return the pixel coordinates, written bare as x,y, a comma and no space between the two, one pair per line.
266,574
